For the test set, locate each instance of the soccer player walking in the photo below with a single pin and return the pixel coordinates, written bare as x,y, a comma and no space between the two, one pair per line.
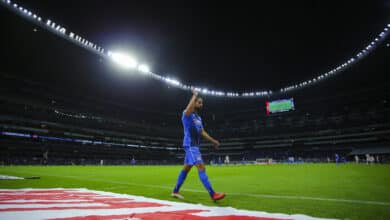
193,130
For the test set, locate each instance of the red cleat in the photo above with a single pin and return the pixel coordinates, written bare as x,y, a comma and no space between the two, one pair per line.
218,196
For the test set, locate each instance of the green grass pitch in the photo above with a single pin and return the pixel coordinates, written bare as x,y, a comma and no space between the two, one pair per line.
321,190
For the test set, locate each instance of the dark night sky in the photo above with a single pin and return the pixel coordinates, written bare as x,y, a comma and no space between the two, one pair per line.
215,45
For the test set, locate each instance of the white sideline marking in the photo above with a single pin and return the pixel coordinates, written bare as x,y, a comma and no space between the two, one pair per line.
353,201
6,177
313,198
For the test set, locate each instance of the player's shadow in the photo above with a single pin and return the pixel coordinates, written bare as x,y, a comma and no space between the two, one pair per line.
195,199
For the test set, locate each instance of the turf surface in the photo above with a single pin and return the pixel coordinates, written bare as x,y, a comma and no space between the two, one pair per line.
320,190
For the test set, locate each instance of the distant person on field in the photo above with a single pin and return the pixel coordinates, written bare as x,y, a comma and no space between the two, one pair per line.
45,157
227,159
368,158
219,160
133,162
356,159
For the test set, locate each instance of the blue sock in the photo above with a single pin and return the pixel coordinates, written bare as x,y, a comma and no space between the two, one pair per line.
205,180
180,180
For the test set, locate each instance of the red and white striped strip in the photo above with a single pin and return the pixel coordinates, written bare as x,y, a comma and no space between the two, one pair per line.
83,204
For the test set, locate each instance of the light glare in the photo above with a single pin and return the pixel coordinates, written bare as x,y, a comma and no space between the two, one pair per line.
143,68
124,60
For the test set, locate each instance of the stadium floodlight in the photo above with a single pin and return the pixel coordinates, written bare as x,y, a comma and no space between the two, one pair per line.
172,81
124,60
143,68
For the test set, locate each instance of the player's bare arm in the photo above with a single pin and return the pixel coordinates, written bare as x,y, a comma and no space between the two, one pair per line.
191,105
206,136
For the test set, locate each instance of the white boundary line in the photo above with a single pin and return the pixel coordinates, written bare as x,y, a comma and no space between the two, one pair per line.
6,177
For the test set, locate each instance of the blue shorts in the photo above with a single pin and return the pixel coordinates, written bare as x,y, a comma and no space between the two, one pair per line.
193,156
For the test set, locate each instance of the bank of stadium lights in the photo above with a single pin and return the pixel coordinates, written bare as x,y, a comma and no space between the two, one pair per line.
126,61
131,62
173,82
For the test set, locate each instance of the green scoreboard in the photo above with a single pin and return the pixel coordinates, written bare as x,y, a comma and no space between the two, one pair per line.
282,105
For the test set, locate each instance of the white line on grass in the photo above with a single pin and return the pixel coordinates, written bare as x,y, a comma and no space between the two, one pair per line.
228,193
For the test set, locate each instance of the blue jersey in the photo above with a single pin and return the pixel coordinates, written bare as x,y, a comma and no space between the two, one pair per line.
192,125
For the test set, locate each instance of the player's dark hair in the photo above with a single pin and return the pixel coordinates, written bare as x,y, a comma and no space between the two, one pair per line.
198,97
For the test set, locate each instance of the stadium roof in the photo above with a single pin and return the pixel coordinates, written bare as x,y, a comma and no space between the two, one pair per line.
225,46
